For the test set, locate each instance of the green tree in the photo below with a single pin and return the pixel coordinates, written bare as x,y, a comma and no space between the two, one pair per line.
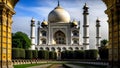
16,43
104,42
20,40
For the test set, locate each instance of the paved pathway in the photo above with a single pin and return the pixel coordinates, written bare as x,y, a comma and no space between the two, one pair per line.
57,66
40,66
73,66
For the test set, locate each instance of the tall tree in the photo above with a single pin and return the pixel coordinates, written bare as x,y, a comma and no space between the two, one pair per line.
20,40
104,42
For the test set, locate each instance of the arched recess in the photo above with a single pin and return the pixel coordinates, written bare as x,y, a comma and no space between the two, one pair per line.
43,33
52,49
43,41
76,48
64,49
59,37
41,48
75,41
70,48
47,48
75,33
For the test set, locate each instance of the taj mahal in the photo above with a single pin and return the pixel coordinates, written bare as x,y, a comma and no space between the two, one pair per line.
59,33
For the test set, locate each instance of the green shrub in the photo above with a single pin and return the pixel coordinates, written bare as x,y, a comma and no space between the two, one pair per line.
103,52
70,54
67,54
34,54
15,53
28,54
18,53
91,54
43,54
52,55
63,55
46,54
22,53
78,54
40,54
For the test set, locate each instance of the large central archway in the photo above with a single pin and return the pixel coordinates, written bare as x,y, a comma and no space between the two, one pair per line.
59,37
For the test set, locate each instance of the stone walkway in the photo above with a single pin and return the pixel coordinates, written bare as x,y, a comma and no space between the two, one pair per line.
40,66
57,66
74,66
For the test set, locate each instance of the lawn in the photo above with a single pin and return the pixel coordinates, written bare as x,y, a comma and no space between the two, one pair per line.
26,65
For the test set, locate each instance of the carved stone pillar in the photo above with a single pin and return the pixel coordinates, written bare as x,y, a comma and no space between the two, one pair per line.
113,12
6,12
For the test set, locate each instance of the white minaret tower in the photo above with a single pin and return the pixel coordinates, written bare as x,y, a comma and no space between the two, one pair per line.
32,34
85,28
38,33
97,33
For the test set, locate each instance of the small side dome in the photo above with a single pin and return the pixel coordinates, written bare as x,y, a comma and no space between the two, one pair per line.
75,23
44,23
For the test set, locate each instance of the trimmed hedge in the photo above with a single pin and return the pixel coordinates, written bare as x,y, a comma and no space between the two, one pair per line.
28,54
22,53
103,52
15,53
18,53
52,55
78,54
91,54
43,54
67,54
70,54
34,54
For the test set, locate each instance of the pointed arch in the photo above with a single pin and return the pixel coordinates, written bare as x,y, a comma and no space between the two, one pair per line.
59,37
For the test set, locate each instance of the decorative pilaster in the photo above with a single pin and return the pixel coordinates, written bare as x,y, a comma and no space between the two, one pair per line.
6,12
85,28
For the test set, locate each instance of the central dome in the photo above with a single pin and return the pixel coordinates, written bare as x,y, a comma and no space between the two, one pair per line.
59,15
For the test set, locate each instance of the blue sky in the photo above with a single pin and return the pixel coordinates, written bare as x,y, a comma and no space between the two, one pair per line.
39,9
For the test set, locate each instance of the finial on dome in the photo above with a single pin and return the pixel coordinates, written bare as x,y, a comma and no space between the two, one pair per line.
85,6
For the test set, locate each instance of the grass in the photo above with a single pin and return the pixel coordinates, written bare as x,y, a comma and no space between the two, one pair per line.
26,65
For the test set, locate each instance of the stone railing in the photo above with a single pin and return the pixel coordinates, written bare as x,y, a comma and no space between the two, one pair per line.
93,62
20,61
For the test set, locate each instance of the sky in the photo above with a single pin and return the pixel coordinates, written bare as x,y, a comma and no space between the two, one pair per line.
39,10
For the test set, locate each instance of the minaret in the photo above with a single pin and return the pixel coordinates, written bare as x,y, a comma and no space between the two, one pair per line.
85,28
32,34
97,33
38,33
